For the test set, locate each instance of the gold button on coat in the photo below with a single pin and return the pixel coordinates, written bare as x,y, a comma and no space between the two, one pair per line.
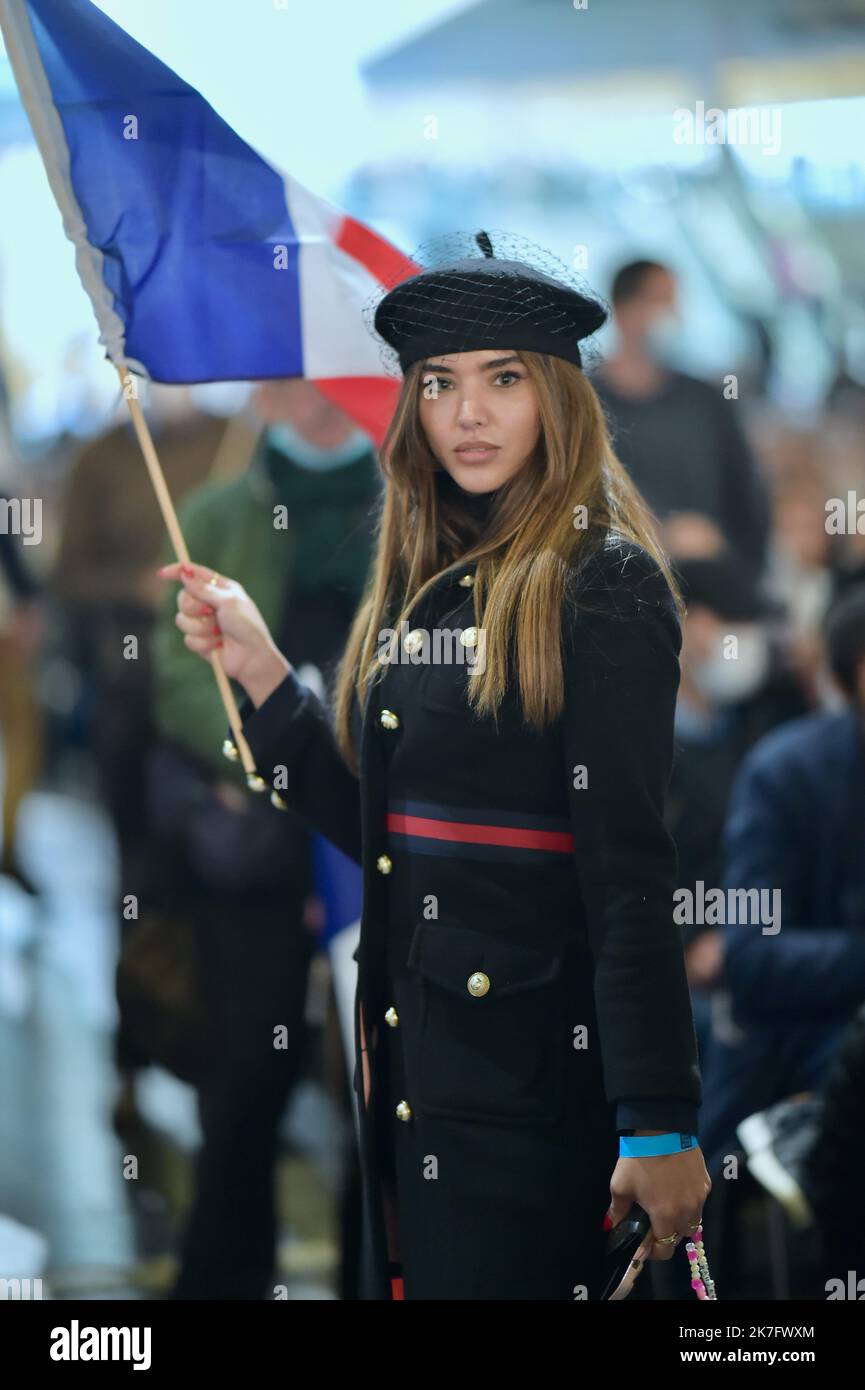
403,1111
388,719
478,983
230,750
255,782
469,637
279,802
391,1018
414,640
384,863
467,581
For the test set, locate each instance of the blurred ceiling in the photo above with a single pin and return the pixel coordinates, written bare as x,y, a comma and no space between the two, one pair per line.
799,48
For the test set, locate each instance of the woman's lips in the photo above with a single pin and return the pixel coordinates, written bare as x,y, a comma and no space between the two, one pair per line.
479,455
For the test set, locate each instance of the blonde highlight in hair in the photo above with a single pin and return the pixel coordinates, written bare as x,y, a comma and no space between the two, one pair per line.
524,559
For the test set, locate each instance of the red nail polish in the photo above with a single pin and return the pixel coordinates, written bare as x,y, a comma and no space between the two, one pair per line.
186,569
608,1222
215,630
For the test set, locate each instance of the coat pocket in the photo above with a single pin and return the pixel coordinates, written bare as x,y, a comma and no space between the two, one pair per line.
491,1036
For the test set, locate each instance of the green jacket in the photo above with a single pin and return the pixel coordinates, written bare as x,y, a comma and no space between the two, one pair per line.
281,530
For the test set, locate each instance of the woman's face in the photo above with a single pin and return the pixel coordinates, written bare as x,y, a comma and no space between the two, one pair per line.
479,412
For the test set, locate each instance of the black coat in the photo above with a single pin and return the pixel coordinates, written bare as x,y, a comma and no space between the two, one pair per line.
521,979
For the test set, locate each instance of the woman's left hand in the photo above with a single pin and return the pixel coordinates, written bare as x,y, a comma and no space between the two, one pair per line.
671,1188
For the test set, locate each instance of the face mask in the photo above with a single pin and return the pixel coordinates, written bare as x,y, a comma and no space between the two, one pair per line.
290,442
666,342
727,680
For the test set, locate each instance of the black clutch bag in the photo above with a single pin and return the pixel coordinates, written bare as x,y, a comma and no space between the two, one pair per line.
623,1242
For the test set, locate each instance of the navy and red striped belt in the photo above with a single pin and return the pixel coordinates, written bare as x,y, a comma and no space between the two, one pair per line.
470,833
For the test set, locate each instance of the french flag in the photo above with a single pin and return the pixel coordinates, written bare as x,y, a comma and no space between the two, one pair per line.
202,261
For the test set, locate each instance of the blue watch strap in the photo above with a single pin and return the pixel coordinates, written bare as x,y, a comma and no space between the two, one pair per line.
646,1145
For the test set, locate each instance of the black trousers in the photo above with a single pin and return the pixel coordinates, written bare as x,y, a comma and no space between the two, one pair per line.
255,966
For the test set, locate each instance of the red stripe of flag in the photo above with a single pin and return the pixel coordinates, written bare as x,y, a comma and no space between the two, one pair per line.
369,400
381,258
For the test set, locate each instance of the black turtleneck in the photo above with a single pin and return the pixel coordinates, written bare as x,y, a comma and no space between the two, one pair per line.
475,504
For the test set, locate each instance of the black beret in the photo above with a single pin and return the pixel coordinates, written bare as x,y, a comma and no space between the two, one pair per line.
484,301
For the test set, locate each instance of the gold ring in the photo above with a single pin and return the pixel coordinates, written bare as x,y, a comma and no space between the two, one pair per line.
666,1240
213,581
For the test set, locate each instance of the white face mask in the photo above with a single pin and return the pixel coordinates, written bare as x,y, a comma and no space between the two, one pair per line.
666,341
728,679
305,454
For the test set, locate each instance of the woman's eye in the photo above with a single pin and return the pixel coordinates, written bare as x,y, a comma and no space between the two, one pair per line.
433,384
516,375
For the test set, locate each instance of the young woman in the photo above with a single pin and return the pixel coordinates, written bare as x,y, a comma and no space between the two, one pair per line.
501,747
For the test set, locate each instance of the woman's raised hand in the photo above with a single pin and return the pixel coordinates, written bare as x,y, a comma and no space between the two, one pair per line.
217,614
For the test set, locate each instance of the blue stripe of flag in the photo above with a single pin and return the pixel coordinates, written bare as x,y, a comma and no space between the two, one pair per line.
182,208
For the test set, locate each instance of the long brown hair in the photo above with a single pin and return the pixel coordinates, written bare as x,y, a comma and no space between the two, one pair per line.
529,548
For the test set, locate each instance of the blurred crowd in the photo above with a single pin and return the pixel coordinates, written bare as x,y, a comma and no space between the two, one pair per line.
219,906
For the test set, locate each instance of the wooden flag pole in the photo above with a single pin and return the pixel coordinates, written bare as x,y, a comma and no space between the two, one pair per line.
169,515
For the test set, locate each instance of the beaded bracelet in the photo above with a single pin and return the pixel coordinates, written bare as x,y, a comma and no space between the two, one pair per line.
701,1280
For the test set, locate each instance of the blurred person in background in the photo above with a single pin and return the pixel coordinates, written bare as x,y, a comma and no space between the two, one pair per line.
725,704
678,437
833,1164
848,549
111,537
810,566
21,628
796,825
243,867
801,569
